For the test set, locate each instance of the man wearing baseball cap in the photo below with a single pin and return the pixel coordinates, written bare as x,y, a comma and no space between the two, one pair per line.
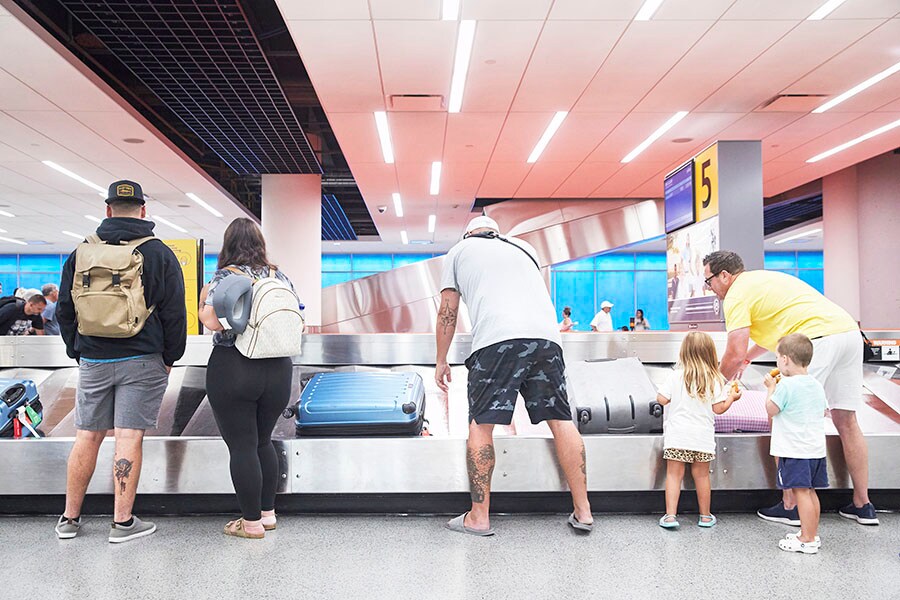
121,379
602,321
515,349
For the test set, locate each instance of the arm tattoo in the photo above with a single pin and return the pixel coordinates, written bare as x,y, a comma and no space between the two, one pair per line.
447,316
480,464
122,471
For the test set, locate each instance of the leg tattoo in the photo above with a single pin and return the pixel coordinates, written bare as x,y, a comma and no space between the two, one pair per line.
480,464
122,471
583,462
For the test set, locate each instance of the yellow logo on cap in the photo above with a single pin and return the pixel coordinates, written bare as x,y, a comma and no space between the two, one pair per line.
124,189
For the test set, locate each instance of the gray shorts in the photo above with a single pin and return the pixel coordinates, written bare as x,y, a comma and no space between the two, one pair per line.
125,394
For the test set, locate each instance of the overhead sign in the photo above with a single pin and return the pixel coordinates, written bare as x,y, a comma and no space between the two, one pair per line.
706,183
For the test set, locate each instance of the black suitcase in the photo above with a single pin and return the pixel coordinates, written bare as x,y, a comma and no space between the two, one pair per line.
613,396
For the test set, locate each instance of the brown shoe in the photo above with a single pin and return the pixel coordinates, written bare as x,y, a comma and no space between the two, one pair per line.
236,528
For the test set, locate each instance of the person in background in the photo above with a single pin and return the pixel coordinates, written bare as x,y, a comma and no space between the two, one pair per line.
640,322
567,324
247,395
51,293
23,317
692,394
764,306
796,403
602,321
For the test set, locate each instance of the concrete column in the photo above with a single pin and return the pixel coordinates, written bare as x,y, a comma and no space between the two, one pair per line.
292,226
840,238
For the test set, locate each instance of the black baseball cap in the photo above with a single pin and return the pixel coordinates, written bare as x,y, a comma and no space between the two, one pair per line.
125,190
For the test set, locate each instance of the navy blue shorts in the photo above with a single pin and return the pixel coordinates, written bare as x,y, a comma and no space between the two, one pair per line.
802,473
532,367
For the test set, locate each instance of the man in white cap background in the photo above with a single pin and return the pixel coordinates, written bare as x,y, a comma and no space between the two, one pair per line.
515,349
602,321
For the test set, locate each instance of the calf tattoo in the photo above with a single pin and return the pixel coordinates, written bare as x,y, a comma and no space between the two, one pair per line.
122,471
480,464
583,462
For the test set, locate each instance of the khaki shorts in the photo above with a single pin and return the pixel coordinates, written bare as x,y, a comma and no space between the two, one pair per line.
125,394
837,363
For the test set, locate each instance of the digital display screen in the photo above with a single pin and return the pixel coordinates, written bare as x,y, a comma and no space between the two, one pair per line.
678,192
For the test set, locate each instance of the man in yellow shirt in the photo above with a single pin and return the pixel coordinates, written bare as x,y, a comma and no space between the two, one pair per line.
764,306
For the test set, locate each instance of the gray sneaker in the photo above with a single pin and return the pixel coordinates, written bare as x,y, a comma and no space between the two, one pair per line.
120,533
67,528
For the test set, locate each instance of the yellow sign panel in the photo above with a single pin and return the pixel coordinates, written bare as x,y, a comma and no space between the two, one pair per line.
706,183
187,253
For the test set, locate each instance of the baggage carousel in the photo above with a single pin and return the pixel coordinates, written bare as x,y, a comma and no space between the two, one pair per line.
186,456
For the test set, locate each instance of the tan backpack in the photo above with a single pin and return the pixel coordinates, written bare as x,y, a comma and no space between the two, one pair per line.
107,288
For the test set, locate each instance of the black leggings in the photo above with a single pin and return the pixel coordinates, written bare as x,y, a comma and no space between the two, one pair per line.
247,397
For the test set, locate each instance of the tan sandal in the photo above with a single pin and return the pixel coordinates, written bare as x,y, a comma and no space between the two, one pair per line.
236,529
270,527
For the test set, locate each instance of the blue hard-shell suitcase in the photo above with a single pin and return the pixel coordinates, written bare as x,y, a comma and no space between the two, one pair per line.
362,403
13,394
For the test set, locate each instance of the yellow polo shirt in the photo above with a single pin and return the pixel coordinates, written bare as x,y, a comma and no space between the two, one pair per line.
774,304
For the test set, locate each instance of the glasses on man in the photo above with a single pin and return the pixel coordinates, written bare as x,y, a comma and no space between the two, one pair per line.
710,278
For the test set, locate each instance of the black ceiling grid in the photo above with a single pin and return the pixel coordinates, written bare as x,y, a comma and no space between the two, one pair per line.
202,60
781,216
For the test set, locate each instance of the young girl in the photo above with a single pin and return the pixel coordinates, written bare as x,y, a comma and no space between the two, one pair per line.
692,394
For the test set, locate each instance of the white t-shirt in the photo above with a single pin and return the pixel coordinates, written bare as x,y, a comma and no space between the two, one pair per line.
602,321
503,290
689,423
798,431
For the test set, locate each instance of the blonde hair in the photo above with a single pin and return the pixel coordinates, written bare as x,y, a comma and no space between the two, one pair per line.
701,365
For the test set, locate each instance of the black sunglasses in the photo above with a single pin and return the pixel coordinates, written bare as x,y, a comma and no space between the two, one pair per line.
711,277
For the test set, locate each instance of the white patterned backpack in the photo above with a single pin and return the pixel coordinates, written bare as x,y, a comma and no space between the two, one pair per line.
275,327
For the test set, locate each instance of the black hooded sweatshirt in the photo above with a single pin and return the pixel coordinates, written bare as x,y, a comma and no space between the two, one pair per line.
165,332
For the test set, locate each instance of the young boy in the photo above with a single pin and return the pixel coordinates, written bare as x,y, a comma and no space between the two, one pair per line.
796,403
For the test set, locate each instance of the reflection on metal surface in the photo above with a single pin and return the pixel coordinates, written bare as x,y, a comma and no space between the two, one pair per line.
405,300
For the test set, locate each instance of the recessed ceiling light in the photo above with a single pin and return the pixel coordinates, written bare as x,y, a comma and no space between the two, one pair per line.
7,214
647,10
858,88
682,140
133,141
74,235
74,176
555,122
464,42
855,141
403,237
184,206
384,135
825,10
435,178
93,218
12,241
655,135
398,205
194,197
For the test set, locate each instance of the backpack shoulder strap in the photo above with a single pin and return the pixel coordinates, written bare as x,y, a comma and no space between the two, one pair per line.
138,241
94,239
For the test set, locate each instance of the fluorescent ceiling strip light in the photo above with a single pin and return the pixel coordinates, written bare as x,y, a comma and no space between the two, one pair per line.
857,89
169,223
384,134
557,120
93,218
647,10
7,214
854,142
432,220
12,241
435,178
655,135
197,200
403,237
825,10
398,205
797,236
3,231
74,235
464,42
450,10
74,176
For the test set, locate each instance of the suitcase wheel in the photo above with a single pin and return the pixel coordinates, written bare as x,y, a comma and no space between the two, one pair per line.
409,408
289,413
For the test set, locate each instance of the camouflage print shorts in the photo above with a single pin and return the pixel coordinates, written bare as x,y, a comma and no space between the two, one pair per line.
532,367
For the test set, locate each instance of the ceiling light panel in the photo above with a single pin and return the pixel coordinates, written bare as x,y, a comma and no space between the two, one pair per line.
384,135
655,135
858,88
552,127
855,141
74,176
647,10
825,10
398,204
435,178
200,202
464,41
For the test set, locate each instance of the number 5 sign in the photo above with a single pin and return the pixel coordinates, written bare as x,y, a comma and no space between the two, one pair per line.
706,183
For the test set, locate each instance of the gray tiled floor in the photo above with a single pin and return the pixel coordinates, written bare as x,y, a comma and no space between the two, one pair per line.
396,557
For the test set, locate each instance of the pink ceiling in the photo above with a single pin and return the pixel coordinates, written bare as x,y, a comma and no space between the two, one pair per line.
619,80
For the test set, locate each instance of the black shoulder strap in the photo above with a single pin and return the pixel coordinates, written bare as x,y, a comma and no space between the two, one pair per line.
490,235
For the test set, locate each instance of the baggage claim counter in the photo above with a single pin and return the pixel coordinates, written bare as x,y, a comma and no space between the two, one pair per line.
186,464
